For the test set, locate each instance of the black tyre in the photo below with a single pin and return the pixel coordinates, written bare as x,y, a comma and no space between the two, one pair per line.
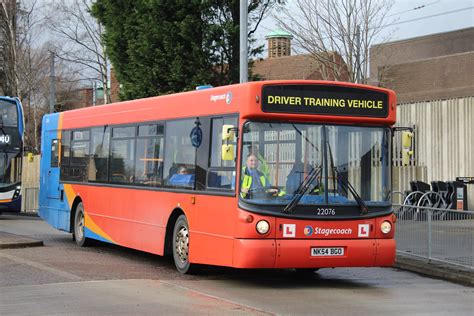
79,227
181,246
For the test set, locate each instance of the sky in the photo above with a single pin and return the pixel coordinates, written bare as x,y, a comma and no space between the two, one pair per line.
430,17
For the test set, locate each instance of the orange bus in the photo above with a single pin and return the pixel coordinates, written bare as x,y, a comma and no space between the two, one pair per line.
270,174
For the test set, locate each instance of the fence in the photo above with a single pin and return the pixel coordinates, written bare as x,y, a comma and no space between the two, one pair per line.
436,234
30,184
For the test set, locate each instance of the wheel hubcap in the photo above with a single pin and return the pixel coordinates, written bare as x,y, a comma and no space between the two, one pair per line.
80,227
182,244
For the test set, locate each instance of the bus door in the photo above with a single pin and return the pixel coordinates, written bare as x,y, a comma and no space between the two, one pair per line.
52,173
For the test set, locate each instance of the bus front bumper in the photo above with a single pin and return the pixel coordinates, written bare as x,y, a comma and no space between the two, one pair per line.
298,253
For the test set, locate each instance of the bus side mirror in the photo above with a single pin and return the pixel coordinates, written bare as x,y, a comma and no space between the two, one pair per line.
406,139
407,151
228,133
227,152
228,136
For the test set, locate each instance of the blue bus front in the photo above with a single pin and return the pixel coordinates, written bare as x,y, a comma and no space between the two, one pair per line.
11,151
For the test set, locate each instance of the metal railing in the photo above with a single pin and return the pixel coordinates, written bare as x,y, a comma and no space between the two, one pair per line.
442,235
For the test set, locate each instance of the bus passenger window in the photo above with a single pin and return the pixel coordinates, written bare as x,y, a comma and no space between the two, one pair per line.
79,156
55,153
122,159
99,160
221,173
149,156
179,151
65,155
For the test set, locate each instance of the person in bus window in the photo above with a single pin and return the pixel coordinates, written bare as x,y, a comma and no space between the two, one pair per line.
183,177
262,164
254,182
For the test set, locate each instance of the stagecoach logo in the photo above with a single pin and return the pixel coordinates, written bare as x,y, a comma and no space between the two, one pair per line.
308,230
227,97
363,230
5,139
332,231
289,230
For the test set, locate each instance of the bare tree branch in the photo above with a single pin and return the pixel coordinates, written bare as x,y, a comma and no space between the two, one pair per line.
337,33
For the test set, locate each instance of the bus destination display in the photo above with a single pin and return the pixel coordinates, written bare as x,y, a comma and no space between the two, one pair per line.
324,100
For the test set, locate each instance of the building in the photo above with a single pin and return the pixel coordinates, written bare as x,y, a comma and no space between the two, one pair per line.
432,67
281,64
433,78
279,44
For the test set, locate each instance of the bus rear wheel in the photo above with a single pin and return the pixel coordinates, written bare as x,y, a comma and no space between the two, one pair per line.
181,246
79,227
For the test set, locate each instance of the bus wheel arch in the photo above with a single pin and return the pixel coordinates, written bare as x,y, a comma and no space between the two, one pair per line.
76,201
179,242
168,247
78,224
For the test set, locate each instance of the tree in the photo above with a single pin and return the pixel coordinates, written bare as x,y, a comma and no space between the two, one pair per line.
223,34
8,76
155,46
79,41
163,46
33,68
334,29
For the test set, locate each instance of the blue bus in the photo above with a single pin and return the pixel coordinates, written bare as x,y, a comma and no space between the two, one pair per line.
11,153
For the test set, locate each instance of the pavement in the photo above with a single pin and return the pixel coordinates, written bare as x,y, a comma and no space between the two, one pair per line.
434,269
439,270
8,240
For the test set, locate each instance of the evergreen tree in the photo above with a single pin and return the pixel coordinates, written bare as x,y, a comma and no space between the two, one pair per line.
223,36
155,46
165,46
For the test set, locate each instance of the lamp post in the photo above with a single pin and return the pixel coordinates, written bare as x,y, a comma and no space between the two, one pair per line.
243,42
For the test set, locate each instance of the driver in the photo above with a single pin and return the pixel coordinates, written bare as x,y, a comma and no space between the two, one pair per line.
254,181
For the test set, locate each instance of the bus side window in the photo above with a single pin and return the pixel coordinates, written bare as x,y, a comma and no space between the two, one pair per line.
65,155
54,153
79,155
122,152
179,152
221,173
99,160
149,155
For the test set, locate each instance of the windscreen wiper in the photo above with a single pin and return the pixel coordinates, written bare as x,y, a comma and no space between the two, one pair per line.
347,186
303,188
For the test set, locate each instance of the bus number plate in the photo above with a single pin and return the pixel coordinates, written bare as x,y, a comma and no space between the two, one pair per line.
323,252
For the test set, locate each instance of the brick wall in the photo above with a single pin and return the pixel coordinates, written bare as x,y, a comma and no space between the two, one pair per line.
420,48
433,79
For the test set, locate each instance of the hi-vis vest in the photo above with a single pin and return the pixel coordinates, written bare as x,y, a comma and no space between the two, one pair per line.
247,181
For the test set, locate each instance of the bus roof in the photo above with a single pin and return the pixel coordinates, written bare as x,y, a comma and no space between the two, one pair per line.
245,99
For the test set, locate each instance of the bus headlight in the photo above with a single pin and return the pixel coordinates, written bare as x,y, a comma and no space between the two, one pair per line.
386,227
262,227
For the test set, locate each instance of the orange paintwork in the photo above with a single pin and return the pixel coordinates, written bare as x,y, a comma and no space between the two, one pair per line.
244,101
219,231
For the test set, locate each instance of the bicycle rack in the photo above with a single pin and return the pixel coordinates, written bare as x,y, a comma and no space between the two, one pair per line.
434,200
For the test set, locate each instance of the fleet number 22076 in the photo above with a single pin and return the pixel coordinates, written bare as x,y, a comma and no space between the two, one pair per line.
325,211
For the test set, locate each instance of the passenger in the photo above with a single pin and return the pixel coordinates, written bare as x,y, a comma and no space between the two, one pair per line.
183,177
183,170
253,180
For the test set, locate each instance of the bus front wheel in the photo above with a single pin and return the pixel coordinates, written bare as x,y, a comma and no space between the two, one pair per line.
181,246
79,227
